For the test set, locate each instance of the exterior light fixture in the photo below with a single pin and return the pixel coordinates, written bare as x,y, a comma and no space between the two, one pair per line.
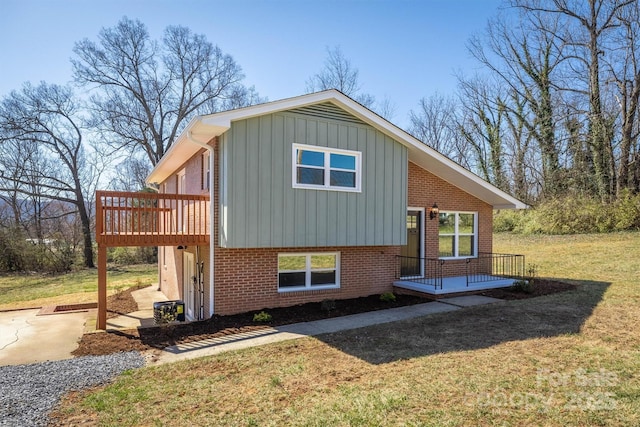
181,247
434,211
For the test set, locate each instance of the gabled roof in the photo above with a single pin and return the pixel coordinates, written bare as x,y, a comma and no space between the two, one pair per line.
204,128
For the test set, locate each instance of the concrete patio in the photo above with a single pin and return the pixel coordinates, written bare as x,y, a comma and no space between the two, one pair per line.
454,285
143,318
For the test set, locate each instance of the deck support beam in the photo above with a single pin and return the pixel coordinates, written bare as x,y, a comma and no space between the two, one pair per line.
102,288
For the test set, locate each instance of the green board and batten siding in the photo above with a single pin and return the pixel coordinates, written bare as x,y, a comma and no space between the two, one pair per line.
262,208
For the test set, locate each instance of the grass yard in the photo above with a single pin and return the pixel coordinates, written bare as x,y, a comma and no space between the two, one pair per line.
567,359
35,290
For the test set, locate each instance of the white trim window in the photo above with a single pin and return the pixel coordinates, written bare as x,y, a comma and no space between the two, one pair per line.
457,234
206,171
323,168
308,271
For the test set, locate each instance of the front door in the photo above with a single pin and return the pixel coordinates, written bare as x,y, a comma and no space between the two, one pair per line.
188,284
411,253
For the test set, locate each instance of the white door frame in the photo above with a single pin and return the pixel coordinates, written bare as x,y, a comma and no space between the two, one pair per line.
423,232
188,289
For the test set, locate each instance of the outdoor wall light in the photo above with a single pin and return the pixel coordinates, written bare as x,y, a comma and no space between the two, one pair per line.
434,211
181,247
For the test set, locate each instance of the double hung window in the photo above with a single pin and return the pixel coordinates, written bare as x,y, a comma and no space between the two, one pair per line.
457,235
308,271
206,171
326,168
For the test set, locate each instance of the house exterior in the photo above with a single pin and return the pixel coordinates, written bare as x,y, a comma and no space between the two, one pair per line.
301,200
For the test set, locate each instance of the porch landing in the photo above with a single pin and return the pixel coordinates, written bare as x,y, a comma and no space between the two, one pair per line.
455,285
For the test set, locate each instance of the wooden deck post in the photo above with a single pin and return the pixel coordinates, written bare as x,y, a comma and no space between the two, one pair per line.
102,288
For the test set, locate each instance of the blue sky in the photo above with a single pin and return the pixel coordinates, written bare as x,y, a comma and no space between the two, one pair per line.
404,49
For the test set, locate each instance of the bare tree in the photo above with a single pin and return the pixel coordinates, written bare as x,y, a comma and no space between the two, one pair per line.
482,125
624,69
44,121
517,144
146,91
338,73
526,59
131,174
586,29
436,124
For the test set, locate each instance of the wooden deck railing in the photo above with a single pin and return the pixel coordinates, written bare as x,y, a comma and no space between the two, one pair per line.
151,219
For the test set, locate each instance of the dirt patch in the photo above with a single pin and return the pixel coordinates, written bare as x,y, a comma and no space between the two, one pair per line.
161,337
122,302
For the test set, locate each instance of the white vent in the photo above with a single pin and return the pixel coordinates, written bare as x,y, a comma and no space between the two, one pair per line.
327,111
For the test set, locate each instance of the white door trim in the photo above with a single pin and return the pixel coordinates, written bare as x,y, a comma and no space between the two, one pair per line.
422,235
188,290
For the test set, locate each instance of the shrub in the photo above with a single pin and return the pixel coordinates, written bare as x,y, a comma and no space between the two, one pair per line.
388,297
130,255
19,253
572,215
627,211
506,221
328,305
262,317
12,247
524,286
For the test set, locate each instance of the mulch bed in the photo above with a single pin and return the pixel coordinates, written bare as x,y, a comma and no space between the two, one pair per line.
218,326
542,287
122,302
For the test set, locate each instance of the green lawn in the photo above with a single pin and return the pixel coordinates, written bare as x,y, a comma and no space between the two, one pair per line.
37,290
568,359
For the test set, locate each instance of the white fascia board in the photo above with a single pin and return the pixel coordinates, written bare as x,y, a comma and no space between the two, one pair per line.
182,149
226,117
204,128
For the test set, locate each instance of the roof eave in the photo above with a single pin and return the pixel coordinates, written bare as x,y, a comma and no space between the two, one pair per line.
181,150
205,128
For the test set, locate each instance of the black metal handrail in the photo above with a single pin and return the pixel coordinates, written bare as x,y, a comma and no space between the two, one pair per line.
489,266
426,271
485,267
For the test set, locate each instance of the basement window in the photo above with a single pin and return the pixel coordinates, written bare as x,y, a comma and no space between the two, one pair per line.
306,271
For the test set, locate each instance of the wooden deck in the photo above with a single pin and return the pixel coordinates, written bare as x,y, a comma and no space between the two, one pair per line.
146,219
151,219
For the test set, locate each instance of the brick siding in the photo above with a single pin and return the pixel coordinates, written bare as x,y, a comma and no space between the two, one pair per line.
425,189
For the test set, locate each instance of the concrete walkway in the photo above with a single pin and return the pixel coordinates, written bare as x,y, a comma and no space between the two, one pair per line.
26,337
299,330
142,318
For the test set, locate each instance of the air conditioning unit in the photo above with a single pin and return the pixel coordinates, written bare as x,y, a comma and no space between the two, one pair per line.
168,311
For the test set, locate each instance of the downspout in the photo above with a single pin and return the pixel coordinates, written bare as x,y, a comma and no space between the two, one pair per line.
212,239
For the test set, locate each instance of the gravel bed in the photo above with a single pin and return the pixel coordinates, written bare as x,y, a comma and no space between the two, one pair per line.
28,393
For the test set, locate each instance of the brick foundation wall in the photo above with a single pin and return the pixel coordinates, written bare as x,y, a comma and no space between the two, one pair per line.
247,279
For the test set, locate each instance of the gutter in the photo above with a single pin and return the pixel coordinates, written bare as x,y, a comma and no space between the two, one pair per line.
211,214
